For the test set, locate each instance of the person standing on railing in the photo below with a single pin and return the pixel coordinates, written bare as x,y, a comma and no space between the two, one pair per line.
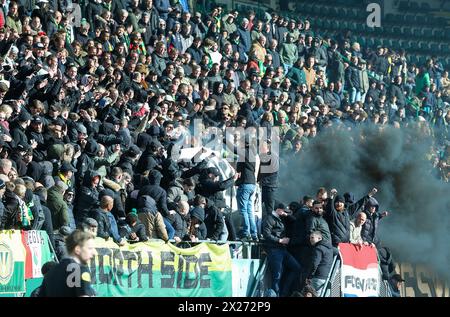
280,260
320,262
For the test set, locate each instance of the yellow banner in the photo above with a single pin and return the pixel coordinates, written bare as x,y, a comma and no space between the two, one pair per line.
155,268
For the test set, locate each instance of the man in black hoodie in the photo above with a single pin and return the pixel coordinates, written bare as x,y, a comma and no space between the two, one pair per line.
86,162
158,193
369,231
214,222
197,229
87,197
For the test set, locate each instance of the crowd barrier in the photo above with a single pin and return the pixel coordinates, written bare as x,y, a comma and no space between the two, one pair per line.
151,269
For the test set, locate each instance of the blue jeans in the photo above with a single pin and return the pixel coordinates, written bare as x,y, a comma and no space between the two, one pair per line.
282,262
355,95
169,228
318,284
286,68
245,205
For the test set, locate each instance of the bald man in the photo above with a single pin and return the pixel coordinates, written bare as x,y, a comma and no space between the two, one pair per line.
107,225
180,223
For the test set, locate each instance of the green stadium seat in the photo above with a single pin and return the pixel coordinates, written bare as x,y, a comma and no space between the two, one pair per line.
370,42
434,47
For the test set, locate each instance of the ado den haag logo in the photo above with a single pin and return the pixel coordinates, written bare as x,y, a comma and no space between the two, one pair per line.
6,264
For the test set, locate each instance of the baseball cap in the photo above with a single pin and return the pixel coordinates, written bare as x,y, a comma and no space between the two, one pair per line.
24,116
66,167
38,45
36,119
398,278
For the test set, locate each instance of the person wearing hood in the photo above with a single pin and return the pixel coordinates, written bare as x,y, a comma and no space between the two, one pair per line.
211,187
152,219
57,205
154,190
197,228
88,195
338,219
338,215
369,231
149,158
180,190
85,162
215,223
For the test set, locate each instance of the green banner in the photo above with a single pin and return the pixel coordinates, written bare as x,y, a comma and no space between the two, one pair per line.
12,262
161,270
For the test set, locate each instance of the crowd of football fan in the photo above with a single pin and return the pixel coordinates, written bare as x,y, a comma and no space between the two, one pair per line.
93,95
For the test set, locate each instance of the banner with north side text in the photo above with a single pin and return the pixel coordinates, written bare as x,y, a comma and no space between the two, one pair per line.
359,272
12,262
158,269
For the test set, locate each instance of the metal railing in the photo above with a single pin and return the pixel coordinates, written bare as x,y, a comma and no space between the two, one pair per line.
259,286
328,284
333,283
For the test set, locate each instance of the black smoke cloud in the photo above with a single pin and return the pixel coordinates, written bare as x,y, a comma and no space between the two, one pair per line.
397,162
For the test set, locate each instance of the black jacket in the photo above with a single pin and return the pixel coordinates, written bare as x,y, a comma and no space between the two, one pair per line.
321,260
155,191
213,190
317,223
181,225
339,223
352,77
397,91
201,232
273,229
269,163
87,197
214,221
247,170
369,231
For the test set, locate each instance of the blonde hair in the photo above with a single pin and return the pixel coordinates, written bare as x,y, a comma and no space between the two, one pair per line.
68,153
7,109
20,190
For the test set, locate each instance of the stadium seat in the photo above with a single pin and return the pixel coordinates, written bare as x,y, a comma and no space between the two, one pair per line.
434,47
353,14
370,42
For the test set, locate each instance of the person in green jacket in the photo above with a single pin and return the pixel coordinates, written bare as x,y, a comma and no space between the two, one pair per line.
296,73
422,80
288,53
57,205
13,21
